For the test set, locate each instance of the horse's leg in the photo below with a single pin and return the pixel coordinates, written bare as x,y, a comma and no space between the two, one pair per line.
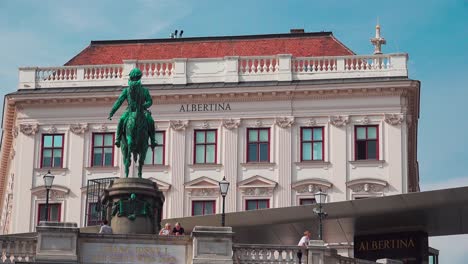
126,158
141,159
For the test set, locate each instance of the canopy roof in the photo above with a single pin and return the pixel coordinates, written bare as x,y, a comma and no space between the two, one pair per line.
439,212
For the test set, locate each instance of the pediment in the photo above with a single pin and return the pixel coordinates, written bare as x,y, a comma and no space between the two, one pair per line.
312,185
367,185
257,182
162,185
202,182
56,192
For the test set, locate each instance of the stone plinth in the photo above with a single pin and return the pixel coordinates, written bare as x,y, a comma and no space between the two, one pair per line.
134,206
57,243
212,245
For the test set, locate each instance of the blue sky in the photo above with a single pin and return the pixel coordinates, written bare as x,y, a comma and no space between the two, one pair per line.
434,33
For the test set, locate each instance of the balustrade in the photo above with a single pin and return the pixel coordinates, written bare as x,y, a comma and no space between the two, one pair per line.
156,69
17,248
255,254
245,69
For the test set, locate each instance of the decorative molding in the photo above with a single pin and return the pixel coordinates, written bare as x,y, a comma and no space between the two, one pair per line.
311,122
14,132
311,186
258,191
365,120
12,154
231,123
258,123
393,119
179,125
78,128
339,121
29,129
51,130
367,163
205,124
313,164
204,192
284,122
367,185
102,128
56,192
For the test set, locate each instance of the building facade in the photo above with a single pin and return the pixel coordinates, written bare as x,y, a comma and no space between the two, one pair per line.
280,116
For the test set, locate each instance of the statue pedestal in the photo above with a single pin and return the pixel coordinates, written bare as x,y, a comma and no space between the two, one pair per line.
134,206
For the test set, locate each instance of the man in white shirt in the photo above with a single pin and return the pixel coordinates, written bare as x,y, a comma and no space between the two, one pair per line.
304,242
105,228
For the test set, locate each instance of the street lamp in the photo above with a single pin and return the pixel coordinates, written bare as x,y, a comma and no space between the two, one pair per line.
223,189
320,198
48,180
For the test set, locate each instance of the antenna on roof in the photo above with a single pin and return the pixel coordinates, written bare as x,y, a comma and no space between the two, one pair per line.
171,35
175,33
181,32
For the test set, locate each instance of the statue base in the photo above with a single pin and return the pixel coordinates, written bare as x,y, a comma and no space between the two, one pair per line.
134,206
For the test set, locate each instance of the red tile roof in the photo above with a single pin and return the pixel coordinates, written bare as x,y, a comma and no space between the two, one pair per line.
299,45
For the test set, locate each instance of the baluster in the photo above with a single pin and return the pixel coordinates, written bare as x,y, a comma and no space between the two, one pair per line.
276,64
329,65
167,69
388,63
271,68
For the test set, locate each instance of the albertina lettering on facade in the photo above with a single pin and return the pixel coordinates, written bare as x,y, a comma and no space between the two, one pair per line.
214,107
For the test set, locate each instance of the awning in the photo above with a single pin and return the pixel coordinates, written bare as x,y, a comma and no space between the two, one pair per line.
439,213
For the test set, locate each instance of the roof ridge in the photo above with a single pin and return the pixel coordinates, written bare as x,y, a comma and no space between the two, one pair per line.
214,38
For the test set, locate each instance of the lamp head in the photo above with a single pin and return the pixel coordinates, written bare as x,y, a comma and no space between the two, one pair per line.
48,180
223,186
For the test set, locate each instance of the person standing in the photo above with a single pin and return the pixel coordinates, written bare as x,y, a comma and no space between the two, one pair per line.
166,231
105,228
303,243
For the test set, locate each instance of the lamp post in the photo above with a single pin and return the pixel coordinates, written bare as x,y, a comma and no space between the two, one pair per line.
223,188
320,198
48,180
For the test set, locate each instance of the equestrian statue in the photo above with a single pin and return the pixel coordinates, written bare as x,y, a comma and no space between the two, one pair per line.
136,126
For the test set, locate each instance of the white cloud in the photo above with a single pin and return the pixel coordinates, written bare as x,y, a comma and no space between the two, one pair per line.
445,183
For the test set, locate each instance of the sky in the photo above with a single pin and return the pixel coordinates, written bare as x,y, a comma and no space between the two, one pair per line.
433,33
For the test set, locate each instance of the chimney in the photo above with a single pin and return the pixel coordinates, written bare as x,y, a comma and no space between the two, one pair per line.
296,30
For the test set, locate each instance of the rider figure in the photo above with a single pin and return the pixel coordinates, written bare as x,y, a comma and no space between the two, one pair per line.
135,76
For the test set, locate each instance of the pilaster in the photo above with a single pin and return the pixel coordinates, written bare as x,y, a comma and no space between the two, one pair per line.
284,166
178,172
230,166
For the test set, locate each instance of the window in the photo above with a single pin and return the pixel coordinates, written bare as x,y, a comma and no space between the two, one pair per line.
52,151
311,143
205,146
306,201
94,214
203,207
156,156
366,143
103,149
258,145
257,204
53,212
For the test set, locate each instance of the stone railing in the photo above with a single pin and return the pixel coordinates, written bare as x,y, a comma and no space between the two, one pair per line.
345,260
253,254
20,247
282,67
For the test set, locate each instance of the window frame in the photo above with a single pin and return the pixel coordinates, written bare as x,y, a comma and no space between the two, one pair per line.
52,148
48,213
102,147
258,145
257,200
204,202
89,221
163,145
205,144
307,199
377,142
312,142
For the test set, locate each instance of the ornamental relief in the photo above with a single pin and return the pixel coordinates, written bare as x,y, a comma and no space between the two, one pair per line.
51,130
179,125
393,119
29,129
311,188
258,191
367,187
204,192
284,122
339,121
53,194
78,128
231,123
14,132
